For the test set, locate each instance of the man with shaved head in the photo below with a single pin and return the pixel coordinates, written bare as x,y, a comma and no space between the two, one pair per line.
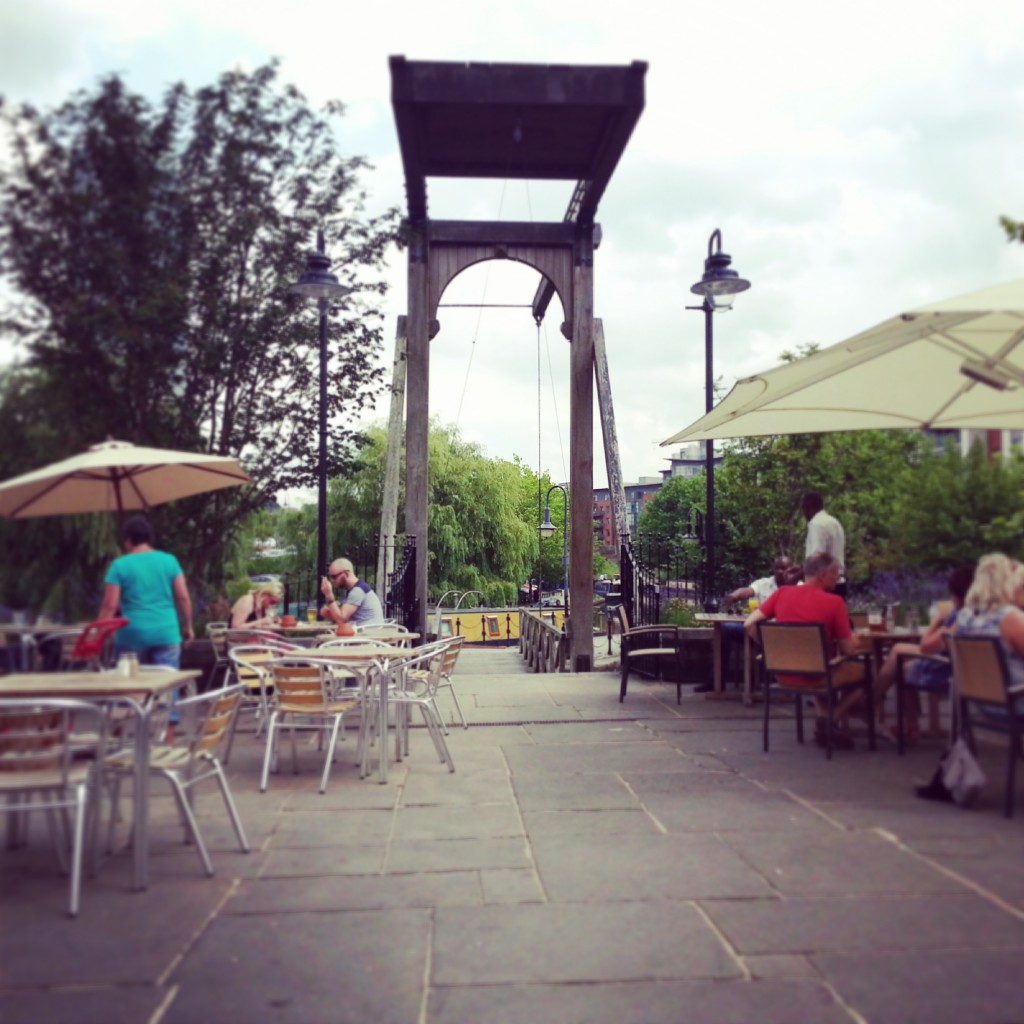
358,605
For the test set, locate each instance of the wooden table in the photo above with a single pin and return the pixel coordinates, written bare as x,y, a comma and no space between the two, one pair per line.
717,620
880,639
138,694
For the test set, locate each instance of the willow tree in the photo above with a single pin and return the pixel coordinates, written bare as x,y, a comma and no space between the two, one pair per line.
148,247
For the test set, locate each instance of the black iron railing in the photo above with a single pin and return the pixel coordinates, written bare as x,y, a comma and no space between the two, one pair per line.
655,570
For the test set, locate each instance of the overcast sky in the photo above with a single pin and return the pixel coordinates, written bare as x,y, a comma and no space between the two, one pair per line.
855,157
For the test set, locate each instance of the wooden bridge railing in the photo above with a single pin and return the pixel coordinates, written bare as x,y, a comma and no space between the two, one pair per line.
543,645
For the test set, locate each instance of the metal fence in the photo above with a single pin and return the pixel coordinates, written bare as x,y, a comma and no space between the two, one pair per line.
655,570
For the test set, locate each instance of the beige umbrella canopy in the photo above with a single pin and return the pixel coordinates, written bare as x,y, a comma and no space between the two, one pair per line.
116,476
953,364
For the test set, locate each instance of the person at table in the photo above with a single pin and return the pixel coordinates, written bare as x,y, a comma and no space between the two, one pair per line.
922,673
824,533
760,590
149,588
992,607
359,604
816,602
257,607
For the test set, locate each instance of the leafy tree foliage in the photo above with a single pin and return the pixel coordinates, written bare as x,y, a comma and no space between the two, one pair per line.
149,246
482,516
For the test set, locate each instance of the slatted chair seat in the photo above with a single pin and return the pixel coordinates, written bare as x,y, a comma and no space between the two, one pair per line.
661,641
797,656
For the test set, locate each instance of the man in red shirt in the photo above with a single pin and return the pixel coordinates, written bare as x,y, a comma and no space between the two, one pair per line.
815,602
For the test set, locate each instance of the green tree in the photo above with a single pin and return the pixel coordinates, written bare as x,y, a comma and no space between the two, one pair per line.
149,246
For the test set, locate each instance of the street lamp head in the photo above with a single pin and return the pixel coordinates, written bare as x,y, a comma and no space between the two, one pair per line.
317,281
720,284
547,528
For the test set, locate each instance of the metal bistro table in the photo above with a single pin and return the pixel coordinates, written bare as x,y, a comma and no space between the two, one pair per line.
138,694
717,619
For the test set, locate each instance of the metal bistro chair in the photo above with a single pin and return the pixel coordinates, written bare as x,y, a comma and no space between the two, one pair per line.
304,699
413,683
204,726
217,633
249,665
640,642
444,681
988,698
41,770
801,650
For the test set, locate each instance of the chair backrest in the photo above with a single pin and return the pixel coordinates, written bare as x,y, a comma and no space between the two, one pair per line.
217,634
623,618
256,636
382,627
93,641
980,670
300,686
358,642
794,648
36,740
206,718
451,656
251,663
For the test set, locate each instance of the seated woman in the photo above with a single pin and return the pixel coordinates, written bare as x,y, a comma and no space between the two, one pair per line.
921,673
992,607
256,607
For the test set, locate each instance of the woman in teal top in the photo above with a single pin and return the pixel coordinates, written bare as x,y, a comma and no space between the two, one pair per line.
150,589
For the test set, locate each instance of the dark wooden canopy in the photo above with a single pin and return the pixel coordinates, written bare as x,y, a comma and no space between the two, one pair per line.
554,121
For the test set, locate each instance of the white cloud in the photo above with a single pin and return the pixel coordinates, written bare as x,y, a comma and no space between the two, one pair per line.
855,158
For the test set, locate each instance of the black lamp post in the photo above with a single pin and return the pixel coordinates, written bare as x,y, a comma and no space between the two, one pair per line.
719,286
317,282
547,529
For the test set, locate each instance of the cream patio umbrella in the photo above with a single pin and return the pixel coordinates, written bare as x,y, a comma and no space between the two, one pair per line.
952,364
116,476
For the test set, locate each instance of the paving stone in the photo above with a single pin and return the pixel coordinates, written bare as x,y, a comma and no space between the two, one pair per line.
811,924
456,854
579,758
667,867
627,731
530,943
595,822
463,787
935,987
511,885
829,862
102,1005
356,892
557,790
705,801
300,862
332,828
444,821
652,1002
324,968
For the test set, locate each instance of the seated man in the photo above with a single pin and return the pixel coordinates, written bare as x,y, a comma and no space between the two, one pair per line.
360,604
761,589
815,602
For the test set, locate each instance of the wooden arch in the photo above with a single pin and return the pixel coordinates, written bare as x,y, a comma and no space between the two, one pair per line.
529,121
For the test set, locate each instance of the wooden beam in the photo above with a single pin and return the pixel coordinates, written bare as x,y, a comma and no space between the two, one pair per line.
389,501
616,490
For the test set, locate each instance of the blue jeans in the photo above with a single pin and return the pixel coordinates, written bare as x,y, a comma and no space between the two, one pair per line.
166,655
732,634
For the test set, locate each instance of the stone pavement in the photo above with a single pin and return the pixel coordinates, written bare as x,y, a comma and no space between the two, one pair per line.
587,862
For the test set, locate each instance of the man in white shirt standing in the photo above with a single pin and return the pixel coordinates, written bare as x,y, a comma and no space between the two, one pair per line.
825,534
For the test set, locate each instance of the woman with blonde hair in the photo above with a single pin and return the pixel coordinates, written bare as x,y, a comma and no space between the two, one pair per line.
992,608
256,607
